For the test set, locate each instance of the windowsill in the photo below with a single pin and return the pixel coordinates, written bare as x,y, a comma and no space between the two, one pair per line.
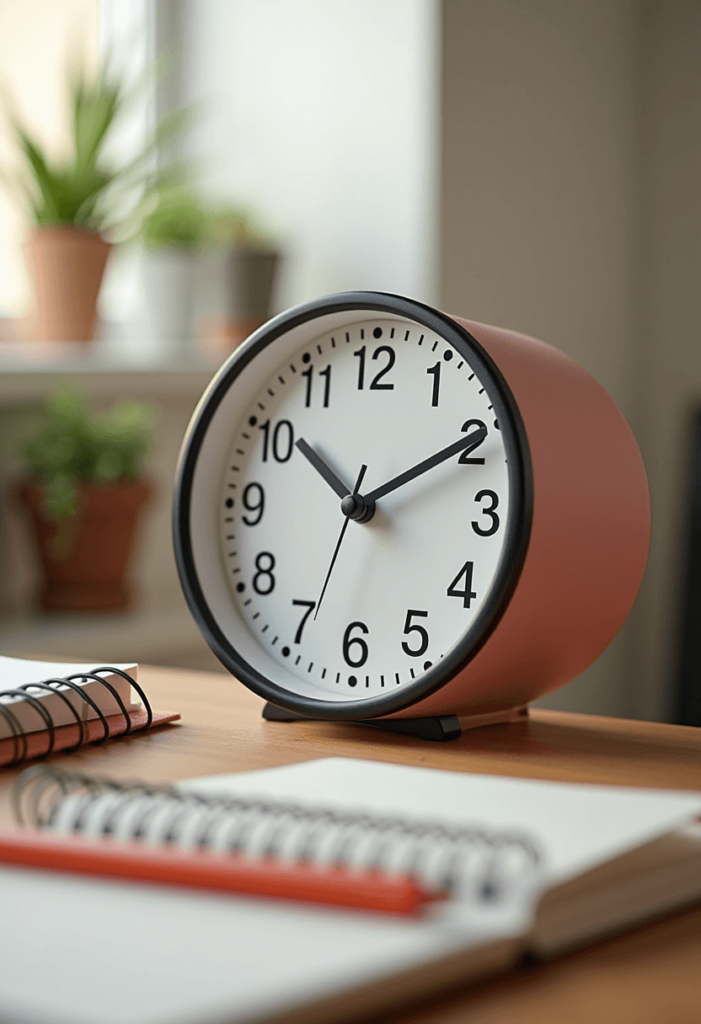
137,365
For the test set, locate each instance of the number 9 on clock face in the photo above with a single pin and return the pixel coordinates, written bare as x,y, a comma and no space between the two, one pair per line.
353,506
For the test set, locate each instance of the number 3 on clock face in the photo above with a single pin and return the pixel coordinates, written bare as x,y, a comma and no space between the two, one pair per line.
354,506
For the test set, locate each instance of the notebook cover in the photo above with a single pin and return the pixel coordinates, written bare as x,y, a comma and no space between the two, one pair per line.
66,736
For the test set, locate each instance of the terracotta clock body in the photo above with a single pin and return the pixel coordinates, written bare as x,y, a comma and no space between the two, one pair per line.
383,510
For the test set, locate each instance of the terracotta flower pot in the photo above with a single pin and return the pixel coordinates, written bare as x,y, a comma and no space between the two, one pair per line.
85,558
65,267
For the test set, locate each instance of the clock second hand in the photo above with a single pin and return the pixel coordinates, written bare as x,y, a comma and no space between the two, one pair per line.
358,482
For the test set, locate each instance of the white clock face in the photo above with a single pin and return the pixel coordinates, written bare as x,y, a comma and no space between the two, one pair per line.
350,610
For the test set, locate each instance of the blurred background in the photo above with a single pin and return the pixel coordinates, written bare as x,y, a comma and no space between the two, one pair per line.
529,163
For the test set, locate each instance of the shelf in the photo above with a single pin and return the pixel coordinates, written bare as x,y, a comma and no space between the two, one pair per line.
139,367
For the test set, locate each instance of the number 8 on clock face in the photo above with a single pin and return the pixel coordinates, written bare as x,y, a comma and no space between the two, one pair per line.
355,509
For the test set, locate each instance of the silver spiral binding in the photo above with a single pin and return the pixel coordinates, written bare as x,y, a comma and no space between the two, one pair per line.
444,855
58,686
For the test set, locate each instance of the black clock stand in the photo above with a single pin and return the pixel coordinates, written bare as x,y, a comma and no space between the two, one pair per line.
435,729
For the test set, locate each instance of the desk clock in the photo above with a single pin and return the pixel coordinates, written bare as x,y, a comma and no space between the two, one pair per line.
386,513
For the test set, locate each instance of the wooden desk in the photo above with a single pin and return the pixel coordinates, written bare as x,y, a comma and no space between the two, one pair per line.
649,976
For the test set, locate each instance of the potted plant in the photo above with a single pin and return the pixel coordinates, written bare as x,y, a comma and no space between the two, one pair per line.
250,267
172,231
75,203
84,491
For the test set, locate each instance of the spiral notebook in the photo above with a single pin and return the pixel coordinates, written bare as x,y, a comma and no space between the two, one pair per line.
534,867
46,707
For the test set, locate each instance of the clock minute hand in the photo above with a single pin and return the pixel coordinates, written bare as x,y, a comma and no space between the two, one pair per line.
422,467
323,468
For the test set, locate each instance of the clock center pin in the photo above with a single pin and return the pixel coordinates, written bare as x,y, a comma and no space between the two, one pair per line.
356,508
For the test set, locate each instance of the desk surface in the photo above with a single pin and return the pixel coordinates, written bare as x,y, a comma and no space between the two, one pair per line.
649,976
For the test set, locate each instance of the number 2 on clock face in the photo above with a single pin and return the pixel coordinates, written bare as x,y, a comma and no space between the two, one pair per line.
358,606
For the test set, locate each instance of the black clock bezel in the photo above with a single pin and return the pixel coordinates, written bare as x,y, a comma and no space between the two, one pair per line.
517,529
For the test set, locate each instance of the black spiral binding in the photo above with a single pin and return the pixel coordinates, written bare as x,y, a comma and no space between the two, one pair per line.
362,840
71,682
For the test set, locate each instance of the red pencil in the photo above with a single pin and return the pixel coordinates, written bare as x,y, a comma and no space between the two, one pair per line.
341,887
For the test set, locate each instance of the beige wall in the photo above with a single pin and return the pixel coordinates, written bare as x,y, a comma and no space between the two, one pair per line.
571,176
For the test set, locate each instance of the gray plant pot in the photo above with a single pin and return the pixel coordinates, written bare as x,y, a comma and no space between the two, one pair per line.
250,280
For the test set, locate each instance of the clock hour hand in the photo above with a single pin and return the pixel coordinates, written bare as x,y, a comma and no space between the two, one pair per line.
362,507
323,468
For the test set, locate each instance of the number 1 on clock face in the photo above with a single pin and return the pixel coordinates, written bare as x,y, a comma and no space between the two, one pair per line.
361,605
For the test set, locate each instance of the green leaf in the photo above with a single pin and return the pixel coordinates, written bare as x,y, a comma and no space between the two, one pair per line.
95,106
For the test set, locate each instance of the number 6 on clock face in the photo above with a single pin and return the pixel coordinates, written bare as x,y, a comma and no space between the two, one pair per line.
354,506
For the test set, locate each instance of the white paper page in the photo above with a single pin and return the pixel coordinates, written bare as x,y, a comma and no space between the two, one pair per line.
80,950
15,672
576,826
